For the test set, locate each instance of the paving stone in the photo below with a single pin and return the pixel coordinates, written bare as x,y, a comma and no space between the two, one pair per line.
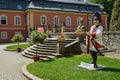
11,64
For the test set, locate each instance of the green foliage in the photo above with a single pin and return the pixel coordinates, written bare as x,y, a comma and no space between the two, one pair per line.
36,37
115,17
66,69
108,6
18,38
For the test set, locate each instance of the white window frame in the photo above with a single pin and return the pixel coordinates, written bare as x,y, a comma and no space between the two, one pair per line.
2,35
43,19
79,21
17,32
56,20
17,20
3,16
68,21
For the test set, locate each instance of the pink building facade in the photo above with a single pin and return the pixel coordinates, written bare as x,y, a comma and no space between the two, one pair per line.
15,21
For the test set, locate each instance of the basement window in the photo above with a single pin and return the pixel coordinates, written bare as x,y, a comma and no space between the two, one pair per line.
3,35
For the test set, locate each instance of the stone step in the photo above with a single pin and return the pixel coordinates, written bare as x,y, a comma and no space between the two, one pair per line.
30,56
26,55
41,55
44,53
40,47
44,45
50,43
43,50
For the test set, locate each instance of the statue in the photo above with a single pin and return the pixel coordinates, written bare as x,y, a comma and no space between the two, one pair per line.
49,31
95,34
63,27
96,43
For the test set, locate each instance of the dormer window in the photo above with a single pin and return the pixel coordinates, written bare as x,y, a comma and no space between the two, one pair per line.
19,6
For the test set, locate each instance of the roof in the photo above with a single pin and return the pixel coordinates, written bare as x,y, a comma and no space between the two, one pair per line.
56,5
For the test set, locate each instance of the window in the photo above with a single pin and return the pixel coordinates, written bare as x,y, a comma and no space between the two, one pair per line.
79,21
17,20
43,20
56,20
19,7
3,19
68,21
18,32
3,35
89,22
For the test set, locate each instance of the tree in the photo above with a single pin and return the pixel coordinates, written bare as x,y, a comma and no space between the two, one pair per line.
108,6
18,38
115,17
36,37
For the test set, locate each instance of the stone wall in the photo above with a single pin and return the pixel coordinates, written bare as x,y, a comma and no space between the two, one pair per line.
112,40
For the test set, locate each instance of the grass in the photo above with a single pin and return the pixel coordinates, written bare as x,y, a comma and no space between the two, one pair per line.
14,47
66,69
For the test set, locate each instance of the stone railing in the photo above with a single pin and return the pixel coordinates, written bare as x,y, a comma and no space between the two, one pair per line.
112,40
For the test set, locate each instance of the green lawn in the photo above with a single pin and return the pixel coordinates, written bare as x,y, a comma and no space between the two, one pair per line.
66,69
14,47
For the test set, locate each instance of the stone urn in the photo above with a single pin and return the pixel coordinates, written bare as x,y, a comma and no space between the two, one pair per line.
36,58
60,38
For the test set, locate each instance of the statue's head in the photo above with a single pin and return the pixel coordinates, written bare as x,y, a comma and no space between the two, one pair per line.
96,18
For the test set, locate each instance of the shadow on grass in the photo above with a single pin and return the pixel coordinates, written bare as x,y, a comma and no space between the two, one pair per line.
111,69
50,60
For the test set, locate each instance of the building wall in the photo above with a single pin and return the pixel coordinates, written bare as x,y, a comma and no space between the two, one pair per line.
31,18
62,17
10,28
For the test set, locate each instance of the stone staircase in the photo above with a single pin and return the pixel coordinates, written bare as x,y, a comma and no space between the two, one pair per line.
46,51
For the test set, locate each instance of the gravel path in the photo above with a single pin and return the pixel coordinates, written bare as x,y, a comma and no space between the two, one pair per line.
113,55
11,64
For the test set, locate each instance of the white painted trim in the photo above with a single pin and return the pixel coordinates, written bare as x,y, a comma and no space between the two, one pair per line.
6,35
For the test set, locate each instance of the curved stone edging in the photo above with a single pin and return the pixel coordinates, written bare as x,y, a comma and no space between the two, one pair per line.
28,75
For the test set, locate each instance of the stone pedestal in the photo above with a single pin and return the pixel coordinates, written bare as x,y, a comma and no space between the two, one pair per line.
90,66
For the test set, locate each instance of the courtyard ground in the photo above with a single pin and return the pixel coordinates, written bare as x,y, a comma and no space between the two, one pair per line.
11,64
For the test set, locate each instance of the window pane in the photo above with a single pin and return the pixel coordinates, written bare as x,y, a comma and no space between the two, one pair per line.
17,32
68,21
17,20
90,22
3,19
56,20
79,21
43,20
3,35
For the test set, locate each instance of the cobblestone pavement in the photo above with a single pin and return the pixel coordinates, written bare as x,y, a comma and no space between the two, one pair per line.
11,64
